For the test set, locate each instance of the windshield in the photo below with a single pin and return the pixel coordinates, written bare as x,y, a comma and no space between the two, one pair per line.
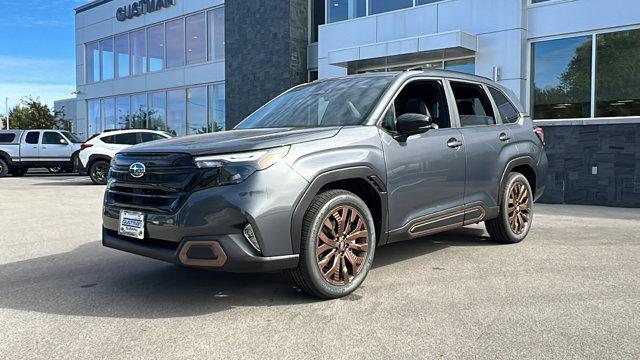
72,137
336,102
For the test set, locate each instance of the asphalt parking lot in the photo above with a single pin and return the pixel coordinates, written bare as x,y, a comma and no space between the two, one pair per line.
571,290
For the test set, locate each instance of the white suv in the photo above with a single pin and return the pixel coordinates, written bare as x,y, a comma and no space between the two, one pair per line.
96,153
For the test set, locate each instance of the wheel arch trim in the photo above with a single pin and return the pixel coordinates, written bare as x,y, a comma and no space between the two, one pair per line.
512,164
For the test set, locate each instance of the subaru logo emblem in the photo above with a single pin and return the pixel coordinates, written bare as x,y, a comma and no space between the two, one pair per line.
137,170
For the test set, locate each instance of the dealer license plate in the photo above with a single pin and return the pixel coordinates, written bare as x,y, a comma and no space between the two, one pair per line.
131,224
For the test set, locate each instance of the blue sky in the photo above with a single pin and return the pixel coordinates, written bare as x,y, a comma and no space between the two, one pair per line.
37,56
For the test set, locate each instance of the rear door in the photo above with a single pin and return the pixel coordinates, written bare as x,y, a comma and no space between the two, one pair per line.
30,146
485,140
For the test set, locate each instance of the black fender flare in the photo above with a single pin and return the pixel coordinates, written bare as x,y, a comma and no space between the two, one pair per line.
95,157
512,164
321,180
6,157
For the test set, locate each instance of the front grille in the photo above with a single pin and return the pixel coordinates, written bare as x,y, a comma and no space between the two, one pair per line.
167,182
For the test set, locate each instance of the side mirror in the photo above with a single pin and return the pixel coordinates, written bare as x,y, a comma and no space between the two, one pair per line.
412,123
64,142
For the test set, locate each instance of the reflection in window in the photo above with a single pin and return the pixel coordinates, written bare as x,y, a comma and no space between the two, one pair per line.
157,112
508,112
108,113
139,111
155,45
176,112
175,44
423,2
197,111
93,117
106,52
380,6
618,74
122,55
123,120
138,52
216,34
562,78
463,65
196,39
338,10
93,62
216,108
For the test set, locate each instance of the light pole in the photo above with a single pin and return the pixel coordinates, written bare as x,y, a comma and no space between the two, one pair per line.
6,111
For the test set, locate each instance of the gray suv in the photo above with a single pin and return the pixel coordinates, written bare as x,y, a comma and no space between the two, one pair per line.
316,179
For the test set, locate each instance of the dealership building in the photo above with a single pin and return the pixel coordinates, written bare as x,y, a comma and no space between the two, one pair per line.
193,66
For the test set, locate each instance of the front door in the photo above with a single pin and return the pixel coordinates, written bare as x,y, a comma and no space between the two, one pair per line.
54,147
425,173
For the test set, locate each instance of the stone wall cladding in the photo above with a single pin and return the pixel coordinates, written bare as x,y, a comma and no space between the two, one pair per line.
574,151
265,52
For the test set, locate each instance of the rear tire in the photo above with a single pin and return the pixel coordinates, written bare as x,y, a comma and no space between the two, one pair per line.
516,211
4,168
19,172
337,246
98,172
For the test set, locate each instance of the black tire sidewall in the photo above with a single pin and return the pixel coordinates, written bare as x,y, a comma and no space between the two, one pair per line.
504,210
320,284
92,170
4,168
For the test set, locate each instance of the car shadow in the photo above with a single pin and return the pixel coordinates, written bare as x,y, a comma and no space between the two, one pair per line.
94,281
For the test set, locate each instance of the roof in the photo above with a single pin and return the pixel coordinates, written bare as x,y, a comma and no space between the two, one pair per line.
91,5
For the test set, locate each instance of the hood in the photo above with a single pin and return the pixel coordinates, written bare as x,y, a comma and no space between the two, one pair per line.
234,141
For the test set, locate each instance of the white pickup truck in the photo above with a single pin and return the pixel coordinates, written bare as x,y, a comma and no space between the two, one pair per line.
21,150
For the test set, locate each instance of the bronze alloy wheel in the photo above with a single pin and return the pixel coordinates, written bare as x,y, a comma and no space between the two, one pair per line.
519,208
342,245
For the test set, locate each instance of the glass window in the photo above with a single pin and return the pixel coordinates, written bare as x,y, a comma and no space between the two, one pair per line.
93,62
175,44
7,138
338,10
123,114
32,138
463,65
147,137
108,113
52,138
176,112
618,74
109,139
107,59
197,111
71,137
126,139
155,46
139,111
344,102
508,112
138,52
196,39
216,34
317,18
216,105
93,117
474,107
561,72
423,2
122,55
380,6
157,111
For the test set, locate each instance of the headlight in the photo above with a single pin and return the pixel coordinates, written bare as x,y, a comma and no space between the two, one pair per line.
235,168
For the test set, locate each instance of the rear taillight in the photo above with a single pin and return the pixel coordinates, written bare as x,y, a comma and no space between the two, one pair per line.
540,133
85,146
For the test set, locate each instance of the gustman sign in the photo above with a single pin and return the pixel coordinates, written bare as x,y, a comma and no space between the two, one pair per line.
142,7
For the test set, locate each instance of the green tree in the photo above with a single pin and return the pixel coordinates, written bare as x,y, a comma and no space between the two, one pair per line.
33,114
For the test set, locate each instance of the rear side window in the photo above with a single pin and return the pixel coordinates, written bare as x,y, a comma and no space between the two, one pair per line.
147,137
126,139
508,112
33,137
473,104
109,139
7,138
52,138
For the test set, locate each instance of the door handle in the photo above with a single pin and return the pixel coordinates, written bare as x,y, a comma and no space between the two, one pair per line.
504,137
454,143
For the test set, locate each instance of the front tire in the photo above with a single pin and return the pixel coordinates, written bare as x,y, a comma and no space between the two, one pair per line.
98,172
4,168
337,246
516,211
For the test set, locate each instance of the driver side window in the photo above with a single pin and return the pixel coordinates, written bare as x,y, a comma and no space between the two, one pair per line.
426,97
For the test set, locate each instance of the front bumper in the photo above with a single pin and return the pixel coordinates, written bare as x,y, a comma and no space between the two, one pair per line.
227,252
